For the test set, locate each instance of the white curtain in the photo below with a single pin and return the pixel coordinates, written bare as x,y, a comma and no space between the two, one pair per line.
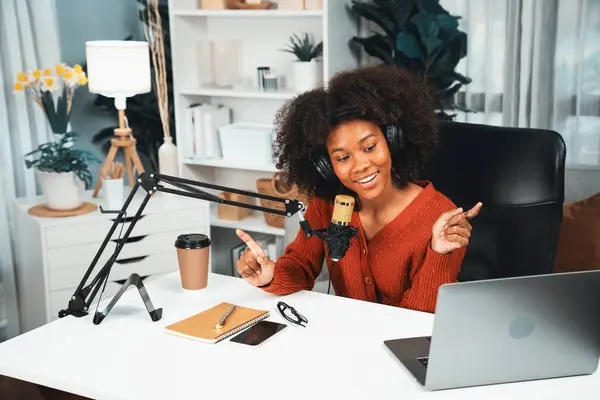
535,63
28,40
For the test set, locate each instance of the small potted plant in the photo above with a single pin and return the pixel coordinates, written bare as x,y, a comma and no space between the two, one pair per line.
63,170
307,68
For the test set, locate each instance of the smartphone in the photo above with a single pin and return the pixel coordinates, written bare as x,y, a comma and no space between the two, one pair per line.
258,333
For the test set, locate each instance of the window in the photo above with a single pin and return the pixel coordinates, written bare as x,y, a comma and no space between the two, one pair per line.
535,64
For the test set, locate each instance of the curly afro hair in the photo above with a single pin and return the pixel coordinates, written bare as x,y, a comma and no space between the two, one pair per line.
381,94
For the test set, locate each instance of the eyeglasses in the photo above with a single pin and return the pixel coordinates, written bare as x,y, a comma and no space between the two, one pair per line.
290,313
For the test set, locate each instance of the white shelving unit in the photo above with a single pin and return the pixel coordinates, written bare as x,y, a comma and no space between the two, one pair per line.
263,35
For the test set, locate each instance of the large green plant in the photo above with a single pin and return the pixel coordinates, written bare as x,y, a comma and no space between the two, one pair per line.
61,156
421,36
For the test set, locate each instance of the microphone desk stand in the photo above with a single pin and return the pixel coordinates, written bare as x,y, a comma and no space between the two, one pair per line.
84,295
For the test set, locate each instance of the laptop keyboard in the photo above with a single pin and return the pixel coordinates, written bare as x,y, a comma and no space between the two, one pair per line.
424,361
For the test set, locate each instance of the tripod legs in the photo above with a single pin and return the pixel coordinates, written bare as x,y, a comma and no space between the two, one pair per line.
132,155
128,165
131,159
136,161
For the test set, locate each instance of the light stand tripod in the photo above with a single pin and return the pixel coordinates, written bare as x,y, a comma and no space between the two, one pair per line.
123,140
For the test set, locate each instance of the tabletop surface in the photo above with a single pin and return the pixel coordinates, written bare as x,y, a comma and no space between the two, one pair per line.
340,354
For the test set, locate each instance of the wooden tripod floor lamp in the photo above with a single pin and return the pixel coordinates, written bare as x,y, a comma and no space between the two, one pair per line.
119,69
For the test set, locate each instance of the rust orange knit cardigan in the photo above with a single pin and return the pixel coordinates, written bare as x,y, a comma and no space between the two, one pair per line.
395,267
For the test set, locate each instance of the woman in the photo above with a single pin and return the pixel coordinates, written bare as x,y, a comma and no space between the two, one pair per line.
411,239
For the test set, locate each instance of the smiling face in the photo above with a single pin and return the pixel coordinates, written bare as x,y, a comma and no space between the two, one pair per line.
360,158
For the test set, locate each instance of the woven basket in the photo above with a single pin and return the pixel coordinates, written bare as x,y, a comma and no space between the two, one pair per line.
216,4
226,211
277,187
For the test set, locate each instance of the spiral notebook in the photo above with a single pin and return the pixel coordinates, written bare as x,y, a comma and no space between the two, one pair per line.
201,326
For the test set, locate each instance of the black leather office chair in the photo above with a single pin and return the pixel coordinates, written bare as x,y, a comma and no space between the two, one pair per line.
518,174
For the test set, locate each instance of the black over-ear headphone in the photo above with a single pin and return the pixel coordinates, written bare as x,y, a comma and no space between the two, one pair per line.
394,136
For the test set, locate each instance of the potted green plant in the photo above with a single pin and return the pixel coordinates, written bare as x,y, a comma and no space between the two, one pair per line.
307,68
62,169
421,36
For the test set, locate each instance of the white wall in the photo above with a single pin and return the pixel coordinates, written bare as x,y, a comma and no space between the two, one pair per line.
80,21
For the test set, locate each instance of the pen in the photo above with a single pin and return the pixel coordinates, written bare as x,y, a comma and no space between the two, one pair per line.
224,317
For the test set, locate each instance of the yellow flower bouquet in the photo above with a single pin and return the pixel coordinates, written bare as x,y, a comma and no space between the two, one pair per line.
58,160
53,89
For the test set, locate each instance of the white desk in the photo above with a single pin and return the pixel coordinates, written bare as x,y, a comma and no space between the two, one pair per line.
340,355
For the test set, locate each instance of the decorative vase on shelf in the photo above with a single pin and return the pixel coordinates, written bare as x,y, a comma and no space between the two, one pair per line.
61,190
167,157
307,75
226,62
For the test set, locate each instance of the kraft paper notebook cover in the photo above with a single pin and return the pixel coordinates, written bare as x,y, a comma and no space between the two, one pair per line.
201,326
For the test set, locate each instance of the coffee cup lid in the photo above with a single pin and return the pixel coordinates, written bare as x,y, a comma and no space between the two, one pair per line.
192,241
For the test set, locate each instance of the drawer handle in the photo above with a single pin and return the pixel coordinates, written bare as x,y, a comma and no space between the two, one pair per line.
130,260
128,219
130,239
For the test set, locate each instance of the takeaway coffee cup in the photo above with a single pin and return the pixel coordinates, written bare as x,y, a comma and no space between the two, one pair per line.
193,257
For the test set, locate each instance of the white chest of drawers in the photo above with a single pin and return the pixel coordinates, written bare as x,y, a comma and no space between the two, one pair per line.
52,254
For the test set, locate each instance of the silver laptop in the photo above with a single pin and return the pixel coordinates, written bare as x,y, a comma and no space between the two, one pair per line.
508,330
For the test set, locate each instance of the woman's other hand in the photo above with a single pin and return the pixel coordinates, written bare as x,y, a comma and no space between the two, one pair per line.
254,266
453,230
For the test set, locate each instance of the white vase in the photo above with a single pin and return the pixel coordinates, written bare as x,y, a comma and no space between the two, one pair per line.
307,75
62,190
167,158
226,59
